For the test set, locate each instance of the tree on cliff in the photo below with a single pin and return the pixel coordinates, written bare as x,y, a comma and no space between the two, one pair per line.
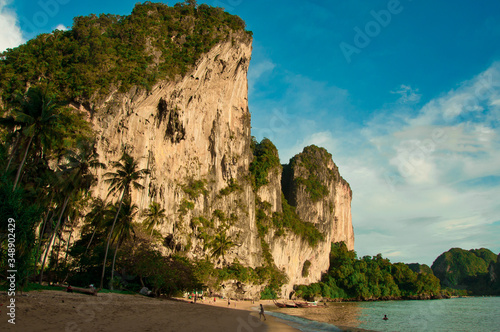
155,216
221,244
126,176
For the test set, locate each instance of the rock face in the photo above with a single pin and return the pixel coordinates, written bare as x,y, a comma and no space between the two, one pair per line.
193,135
312,183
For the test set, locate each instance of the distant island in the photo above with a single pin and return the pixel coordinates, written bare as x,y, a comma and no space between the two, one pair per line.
456,272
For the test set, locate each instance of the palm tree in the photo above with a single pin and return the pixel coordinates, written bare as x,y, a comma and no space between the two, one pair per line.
155,216
74,176
221,244
38,116
11,124
123,230
96,217
126,176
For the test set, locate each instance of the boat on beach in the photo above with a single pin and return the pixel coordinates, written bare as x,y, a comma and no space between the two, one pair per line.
306,304
285,305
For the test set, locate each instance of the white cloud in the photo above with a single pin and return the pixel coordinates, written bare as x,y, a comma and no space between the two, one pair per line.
256,71
10,32
419,174
420,182
61,27
408,95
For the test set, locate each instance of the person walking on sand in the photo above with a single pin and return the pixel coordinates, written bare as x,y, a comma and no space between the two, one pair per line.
261,313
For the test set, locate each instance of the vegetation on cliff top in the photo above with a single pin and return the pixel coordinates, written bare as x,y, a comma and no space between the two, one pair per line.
266,158
106,52
476,270
310,171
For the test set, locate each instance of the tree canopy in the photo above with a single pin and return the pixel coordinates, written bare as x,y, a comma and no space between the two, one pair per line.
101,53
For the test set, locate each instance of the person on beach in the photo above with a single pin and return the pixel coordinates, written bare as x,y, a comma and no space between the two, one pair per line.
261,312
228,301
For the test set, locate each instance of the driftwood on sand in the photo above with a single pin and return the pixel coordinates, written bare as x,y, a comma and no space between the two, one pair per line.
88,291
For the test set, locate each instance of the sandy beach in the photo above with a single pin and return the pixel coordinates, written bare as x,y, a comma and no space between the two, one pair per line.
73,312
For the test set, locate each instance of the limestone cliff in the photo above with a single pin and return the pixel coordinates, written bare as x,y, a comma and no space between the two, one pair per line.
194,136
195,133
191,133
312,184
168,85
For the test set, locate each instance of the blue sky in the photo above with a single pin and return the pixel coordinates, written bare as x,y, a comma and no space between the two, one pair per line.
404,94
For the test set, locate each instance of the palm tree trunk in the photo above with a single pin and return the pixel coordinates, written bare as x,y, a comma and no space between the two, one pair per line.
67,247
40,238
53,236
109,238
113,265
18,175
12,153
91,238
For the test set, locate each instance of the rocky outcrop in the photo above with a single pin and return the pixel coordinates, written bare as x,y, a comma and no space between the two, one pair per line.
193,135
313,185
190,133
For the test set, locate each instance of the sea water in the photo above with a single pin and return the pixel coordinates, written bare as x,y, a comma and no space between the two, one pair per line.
457,314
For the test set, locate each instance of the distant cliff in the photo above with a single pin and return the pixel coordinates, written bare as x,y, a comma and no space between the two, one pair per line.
475,270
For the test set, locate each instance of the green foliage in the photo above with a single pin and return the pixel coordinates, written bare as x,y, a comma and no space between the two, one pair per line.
289,219
185,206
269,271
27,216
313,160
221,244
231,187
101,53
155,216
314,187
420,268
369,278
265,159
195,188
467,270
164,275
268,294
305,268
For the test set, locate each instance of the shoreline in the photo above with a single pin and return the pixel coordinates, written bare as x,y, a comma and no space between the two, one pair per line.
51,310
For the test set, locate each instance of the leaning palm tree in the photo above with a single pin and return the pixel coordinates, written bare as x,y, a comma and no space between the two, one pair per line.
155,216
95,218
37,116
221,244
74,176
126,177
123,230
